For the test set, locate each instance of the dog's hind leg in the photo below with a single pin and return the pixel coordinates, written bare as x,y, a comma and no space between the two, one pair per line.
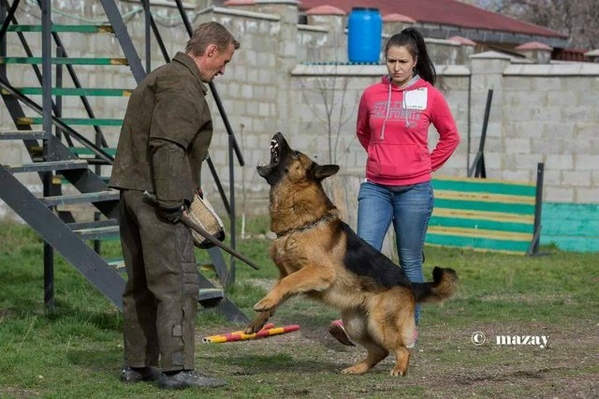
376,353
393,326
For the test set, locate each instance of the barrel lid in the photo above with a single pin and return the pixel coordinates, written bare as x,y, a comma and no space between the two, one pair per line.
364,9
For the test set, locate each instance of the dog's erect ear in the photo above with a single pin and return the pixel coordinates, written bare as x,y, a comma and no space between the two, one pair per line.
323,171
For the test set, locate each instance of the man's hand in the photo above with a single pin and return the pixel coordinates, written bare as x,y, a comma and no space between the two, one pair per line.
172,215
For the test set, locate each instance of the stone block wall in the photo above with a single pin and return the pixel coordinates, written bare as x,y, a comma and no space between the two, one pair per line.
295,79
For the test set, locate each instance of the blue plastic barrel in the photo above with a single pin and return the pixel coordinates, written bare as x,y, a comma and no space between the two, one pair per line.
364,30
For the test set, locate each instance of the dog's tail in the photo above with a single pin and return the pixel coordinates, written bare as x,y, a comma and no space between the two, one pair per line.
443,286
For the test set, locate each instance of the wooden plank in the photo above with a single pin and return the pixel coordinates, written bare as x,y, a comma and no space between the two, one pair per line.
483,215
482,243
481,224
484,197
478,244
524,209
468,184
480,233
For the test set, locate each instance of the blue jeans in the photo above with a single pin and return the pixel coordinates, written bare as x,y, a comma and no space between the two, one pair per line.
410,209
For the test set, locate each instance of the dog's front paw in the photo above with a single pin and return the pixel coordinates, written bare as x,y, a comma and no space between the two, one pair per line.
252,328
257,324
265,304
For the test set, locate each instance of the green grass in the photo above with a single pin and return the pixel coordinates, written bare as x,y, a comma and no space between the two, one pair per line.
75,351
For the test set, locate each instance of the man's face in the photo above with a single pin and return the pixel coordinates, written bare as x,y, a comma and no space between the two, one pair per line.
215,61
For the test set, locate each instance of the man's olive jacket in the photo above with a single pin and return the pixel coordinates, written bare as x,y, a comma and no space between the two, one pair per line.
165,135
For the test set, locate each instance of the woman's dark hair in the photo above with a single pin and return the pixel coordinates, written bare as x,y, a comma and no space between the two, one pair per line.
414,42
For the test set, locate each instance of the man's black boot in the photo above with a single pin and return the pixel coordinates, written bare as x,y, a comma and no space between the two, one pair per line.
137,374
188,379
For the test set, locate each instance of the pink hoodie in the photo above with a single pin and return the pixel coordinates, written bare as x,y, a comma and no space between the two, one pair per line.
393,127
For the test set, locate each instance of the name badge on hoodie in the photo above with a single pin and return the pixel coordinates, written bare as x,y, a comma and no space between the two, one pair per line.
416,99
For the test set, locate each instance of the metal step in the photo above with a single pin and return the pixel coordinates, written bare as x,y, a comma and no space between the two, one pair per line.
210,294
60,180
98,233
25,121
84,151
63,28
117,264
65,61
54,231
23,135
75,91
81,198
93,224
49,166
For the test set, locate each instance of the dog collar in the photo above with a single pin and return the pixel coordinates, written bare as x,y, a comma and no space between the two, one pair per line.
325,217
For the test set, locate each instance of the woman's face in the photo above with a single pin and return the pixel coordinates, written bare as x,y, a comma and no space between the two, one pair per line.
400,64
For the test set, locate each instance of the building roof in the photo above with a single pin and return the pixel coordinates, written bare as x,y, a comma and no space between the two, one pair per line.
443,12
534,46
325,10
462,40
394,17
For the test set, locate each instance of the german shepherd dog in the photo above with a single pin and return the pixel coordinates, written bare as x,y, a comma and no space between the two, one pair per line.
319,255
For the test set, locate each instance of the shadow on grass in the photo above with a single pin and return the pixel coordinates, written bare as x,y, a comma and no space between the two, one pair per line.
96,360
108,320
275,363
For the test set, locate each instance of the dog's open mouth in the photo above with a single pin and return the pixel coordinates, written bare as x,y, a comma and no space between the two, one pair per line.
275,156
274,152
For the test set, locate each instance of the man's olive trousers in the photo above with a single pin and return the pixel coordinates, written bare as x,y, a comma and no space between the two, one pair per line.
160,298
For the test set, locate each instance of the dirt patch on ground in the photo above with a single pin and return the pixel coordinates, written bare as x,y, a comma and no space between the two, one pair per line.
445,363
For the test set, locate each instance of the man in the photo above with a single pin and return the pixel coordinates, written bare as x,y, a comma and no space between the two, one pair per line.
164,139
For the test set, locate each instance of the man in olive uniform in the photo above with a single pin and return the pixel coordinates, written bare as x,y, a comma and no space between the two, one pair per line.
164,139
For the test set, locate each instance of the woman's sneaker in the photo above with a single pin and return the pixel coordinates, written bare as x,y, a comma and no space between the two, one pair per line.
338,332
414,339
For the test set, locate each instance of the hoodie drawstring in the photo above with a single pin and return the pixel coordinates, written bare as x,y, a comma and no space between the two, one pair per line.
382,137
403,104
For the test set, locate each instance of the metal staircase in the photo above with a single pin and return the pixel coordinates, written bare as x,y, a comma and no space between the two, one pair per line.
70,165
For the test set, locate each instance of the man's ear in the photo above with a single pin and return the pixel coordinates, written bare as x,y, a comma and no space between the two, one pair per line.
211,50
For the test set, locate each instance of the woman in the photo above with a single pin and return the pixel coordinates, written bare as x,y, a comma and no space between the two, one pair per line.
393,123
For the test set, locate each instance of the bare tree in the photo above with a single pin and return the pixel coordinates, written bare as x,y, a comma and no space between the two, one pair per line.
331,90
332,111
579,19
